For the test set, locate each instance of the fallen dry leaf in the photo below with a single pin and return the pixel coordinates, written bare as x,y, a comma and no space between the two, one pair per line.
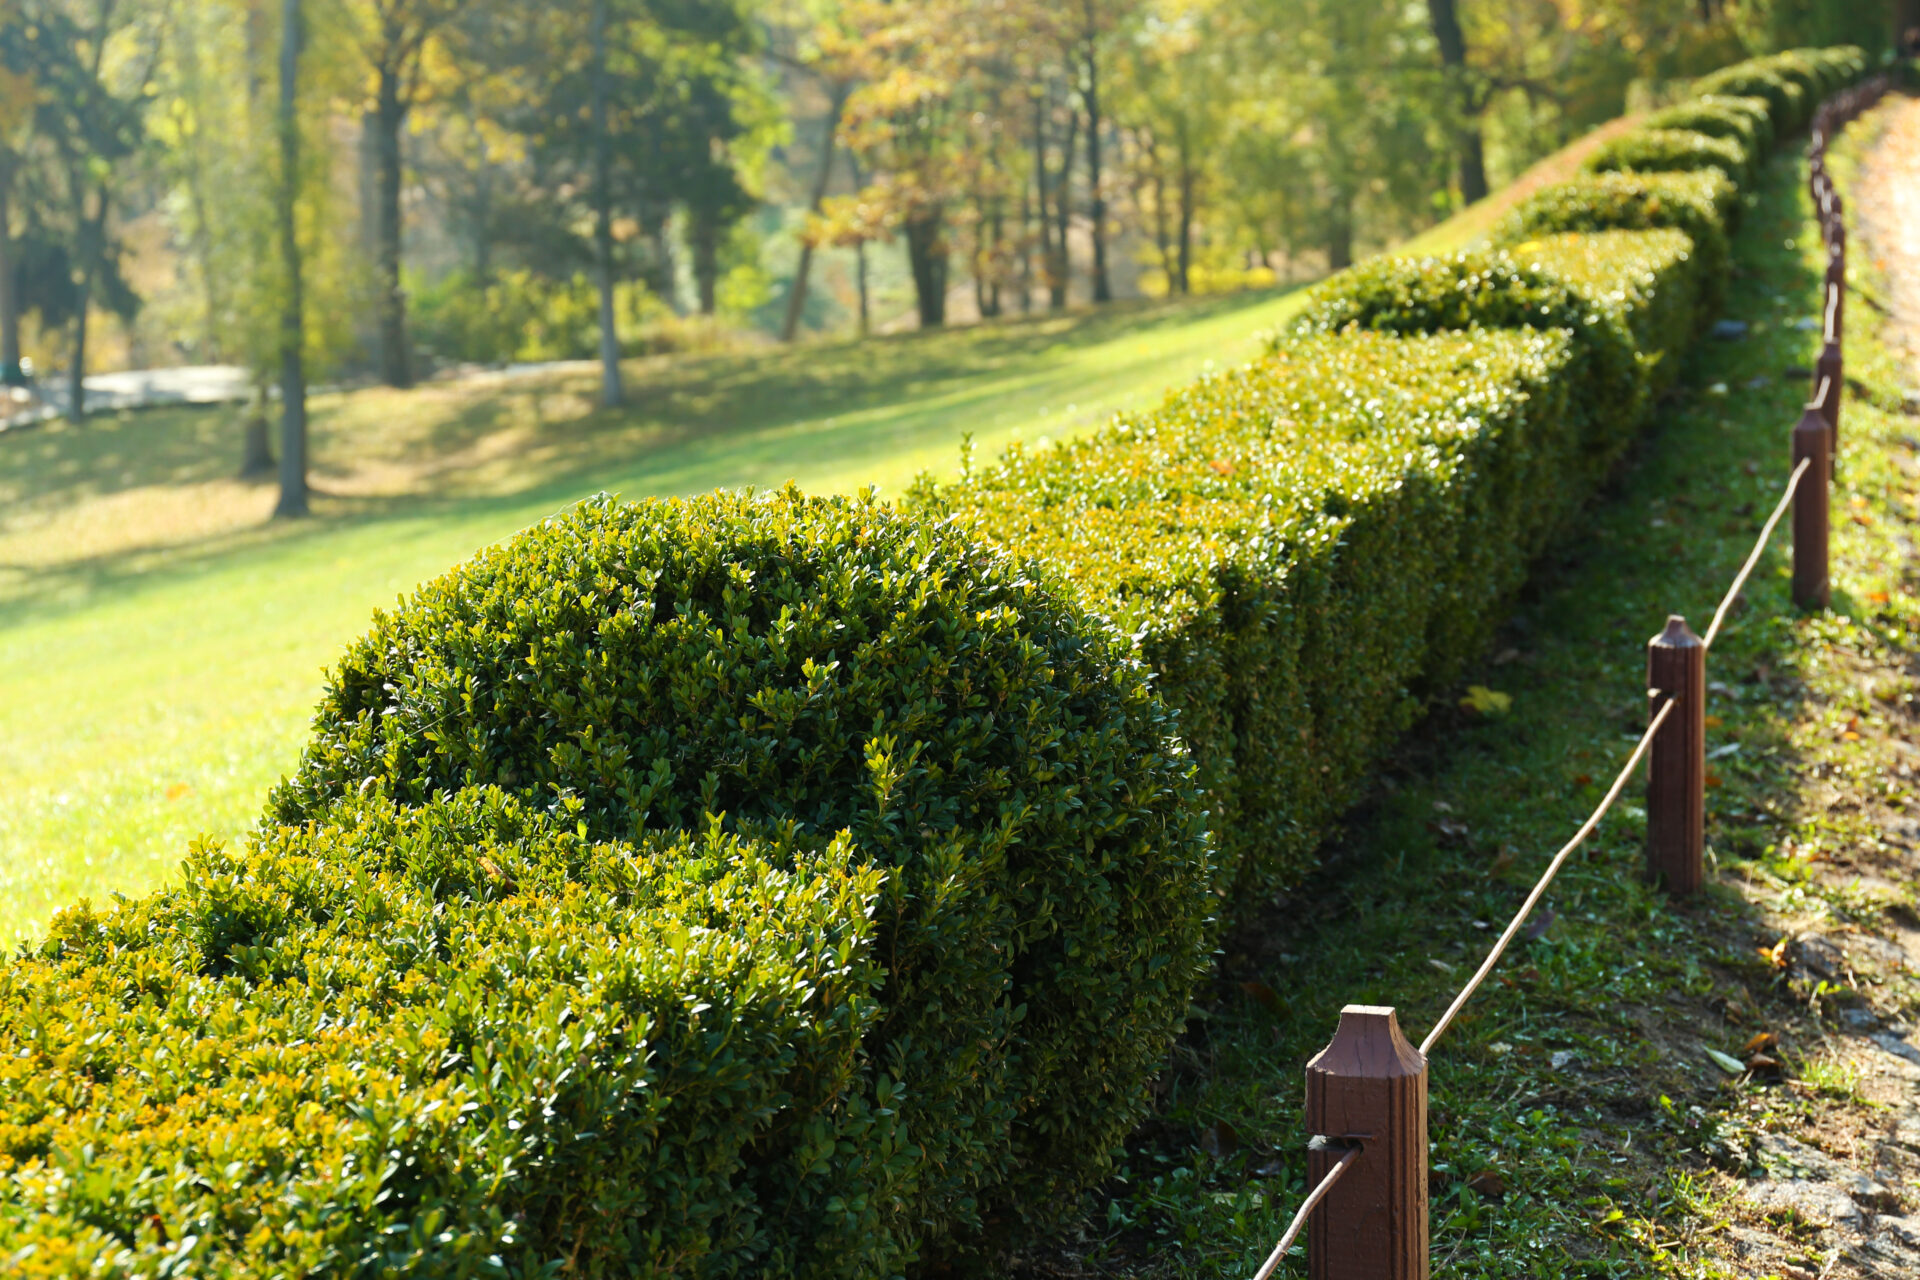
1220,1139
1488,1182
1486,702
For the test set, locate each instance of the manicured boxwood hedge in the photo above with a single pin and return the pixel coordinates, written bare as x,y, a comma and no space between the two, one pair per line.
1285,542
783,887
765,886
1672,151
1718,118
1704,205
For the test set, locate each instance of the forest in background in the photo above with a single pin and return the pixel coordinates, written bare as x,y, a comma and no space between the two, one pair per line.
384,187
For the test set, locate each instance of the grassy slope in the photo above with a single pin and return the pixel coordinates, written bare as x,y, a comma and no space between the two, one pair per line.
161,642
1579,1128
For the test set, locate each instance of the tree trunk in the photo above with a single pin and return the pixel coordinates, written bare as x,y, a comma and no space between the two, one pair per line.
1340,232
77,371
1162,242
860,278
1189,191
1026,247
1102,286
797,295
666,276
610,389
997,231
1040,195
293,378
390,114
90,240
256,457
1060,269
860,255
927,255
9,297
1453,60
706,260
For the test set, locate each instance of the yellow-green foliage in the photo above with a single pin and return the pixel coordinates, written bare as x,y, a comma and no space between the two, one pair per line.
1649,279
1703,205
784,887
744,885
1719,118
1296,547
1672,151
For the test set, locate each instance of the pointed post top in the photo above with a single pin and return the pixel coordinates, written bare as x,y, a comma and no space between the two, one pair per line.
1368,1043
1677,635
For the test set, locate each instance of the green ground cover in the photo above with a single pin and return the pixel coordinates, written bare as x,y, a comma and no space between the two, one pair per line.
1580,1128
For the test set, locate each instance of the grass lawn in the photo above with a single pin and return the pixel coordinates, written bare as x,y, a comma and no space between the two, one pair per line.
161,641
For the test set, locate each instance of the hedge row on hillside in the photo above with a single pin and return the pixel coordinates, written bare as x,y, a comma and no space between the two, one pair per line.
772,886
1298,619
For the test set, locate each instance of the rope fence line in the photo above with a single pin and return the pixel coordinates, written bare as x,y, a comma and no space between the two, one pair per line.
1546,878
1368,1087
1312,1202
1753,559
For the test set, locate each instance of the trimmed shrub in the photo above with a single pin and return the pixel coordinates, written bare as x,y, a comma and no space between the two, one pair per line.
1494,290
1712,117
1297,548
456,1040
1016,905
1700,204
1756,110
1671,151
1651,280
1785,99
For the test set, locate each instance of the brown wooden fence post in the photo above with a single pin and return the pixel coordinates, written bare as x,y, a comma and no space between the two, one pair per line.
1827,372
1369,1086
1810,437
1836,296
1677,767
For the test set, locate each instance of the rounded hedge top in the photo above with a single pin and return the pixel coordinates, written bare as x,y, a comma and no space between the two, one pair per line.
779,663
1672,151
1494,290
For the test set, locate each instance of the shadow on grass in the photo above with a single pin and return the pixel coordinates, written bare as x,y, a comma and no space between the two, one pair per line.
758,419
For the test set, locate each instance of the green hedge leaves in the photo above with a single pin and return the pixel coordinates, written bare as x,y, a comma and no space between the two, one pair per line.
773,886
947,796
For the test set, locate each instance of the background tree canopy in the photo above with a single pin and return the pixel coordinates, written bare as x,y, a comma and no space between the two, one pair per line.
493,182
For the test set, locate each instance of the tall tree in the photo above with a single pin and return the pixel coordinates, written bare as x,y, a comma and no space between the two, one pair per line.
17,96
1469,101
95,70
611,393
393,37
293,381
